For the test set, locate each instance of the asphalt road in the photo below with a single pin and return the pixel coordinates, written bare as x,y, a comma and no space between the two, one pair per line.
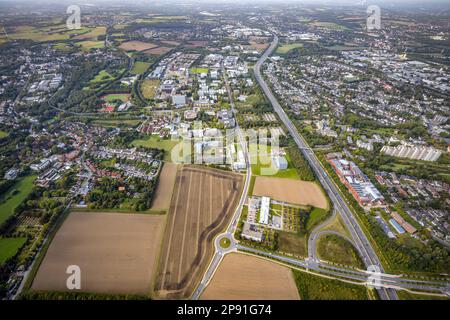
386,281
363,246
219,253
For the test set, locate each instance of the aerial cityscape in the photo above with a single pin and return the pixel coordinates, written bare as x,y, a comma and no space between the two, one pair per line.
225,150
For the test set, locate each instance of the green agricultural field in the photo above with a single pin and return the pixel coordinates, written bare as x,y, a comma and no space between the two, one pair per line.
149,87
198,70
49,33
88,45
312,287
337,249
157,143
329,25
92,33
140,67
3,134
285,48
9,247
35,34
15,195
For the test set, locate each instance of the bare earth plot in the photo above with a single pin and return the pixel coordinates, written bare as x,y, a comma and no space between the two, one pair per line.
164,189
137,46
245,277
116,253
291,191
202,204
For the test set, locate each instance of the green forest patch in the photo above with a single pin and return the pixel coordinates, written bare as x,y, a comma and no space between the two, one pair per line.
312,287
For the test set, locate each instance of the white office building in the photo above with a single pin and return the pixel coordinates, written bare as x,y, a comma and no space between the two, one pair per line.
264,212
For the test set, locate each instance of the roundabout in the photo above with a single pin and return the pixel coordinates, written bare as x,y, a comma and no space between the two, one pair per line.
225,243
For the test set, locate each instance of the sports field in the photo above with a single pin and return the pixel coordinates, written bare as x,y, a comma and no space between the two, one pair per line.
202,204
116,253
245,277
91,44
291,191
117,96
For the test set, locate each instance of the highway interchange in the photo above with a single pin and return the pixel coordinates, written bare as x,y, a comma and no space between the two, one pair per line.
386,284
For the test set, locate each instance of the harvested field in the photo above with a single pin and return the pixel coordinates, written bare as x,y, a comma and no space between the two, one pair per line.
245,277
116,253
164,189
158,51
291,191
202,205
137,46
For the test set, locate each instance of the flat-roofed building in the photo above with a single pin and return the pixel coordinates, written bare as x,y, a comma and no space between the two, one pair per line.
264,212
251,232
396,226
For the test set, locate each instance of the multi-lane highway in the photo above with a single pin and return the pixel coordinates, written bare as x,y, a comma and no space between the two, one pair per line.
384,281
368,254
386,284
229,233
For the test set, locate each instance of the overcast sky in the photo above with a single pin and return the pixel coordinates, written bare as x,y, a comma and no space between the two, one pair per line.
387,3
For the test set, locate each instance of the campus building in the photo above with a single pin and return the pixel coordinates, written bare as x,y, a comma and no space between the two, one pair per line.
356,182
412,152
264,212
